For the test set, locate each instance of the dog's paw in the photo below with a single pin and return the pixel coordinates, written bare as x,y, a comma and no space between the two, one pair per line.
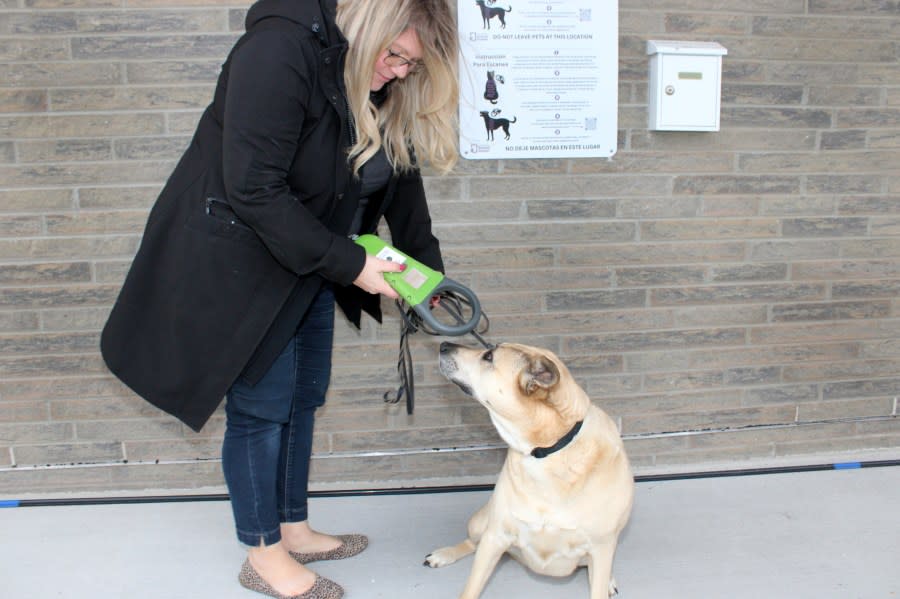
441,557
448,555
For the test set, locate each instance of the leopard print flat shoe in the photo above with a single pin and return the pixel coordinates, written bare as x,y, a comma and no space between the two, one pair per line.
322,588
350,545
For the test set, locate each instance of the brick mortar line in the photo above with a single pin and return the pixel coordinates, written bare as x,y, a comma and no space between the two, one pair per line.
467,449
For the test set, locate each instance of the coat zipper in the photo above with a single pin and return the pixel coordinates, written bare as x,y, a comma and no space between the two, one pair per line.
351,128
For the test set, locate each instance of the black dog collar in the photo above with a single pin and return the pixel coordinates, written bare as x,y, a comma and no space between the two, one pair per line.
543,452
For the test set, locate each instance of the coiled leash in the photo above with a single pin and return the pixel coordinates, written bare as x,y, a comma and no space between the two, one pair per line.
417,285
412,322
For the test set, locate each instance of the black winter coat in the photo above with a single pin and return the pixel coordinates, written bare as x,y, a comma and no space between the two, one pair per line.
253,220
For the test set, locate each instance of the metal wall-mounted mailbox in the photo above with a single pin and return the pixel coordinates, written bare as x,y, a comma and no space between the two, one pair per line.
685,85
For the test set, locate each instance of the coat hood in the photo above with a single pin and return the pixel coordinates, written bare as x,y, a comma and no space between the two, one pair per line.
315,15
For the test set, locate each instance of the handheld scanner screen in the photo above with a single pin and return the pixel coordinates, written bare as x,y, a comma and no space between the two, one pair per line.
416,284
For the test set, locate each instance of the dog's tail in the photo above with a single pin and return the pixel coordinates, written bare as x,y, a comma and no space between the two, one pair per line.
513,120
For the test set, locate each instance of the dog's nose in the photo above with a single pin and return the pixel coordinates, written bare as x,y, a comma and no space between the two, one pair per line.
446,347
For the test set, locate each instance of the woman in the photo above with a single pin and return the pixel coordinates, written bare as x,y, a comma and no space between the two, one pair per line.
312,136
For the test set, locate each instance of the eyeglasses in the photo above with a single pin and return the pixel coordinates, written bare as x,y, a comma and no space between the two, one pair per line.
398,60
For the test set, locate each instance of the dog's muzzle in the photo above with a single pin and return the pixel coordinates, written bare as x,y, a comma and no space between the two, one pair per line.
449,367
446,360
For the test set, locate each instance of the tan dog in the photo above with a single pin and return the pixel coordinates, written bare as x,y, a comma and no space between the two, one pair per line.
565,491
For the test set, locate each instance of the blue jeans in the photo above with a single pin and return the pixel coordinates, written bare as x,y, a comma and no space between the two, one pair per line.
269,429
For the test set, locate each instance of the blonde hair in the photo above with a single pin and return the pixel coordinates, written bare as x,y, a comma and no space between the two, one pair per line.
418,120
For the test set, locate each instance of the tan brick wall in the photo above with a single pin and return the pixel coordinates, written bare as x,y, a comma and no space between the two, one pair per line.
730,297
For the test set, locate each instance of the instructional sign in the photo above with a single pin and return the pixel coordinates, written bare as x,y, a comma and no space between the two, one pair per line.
538,78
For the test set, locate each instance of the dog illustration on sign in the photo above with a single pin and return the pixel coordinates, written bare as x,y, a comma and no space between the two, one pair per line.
488,12
490,87
491,124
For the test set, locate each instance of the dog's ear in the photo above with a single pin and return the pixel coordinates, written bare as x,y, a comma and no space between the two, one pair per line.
540,375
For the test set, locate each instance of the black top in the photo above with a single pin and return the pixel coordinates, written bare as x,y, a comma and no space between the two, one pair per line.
375,173
374,176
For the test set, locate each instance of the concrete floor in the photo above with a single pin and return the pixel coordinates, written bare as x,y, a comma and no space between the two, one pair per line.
827,534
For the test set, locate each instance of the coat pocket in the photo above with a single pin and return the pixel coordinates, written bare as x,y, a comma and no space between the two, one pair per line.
198,298
218,219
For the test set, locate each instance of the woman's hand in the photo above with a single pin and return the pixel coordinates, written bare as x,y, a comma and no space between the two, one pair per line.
371,279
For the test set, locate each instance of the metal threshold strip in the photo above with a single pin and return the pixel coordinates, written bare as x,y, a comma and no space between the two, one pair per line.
20,503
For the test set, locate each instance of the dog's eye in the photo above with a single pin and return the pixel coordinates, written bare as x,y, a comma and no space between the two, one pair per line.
488,356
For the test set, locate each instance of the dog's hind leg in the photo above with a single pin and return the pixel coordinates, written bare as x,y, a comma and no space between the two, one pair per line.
603,585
